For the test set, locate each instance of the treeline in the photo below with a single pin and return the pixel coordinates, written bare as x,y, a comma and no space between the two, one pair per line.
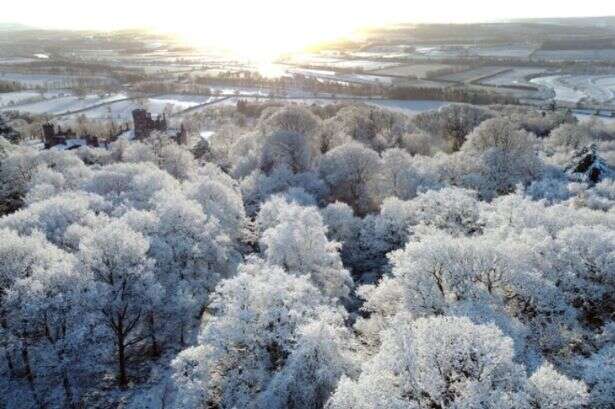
453,94
297,81
10,86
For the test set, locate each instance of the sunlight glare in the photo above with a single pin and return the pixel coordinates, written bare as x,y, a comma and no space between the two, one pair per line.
265,34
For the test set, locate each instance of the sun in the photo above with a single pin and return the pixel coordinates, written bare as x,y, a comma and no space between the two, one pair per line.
267,34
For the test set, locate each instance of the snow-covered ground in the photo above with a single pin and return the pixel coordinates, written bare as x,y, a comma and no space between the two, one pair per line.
64,104
24,97
408,107
573,88
34,80
505,51
415,70
122,110
514,77
344,78
180,102
586,117
15,60
206,134
575,55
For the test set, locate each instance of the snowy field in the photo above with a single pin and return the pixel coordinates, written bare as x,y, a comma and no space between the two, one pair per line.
33,80
515,77
363,64
574,88
15,60
473,74
64,104
588,117
408,107
23,97
505,51
345,78
575,55
415,70
122,110
340,63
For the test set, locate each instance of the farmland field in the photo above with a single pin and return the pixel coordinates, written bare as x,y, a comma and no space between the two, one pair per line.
575,55
414,70
514,77
65,103
10,99
574,88
507,51
473,74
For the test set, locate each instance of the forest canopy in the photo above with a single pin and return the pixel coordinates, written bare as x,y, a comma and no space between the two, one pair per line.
310,257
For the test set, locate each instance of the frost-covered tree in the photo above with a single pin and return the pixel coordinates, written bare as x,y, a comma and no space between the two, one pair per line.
259,187
483,258
288,149
254,327
450,362
191,254
598,372
220,198
124,288
43,319
292,119
294,237
505,156
376,128
350,171
452,123
552,390
313,369
436,272
53,217
402,177
177,161
584,268
127,185
569,137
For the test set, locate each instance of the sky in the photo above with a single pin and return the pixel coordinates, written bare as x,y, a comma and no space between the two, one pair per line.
279,24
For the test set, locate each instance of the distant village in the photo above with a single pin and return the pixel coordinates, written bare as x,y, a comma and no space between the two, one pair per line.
143,126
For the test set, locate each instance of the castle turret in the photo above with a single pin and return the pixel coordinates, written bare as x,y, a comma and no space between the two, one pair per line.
141,121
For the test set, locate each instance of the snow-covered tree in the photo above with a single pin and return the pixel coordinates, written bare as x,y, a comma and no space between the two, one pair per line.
505,156
351,171
598,372
295,239
288,149
254,327
450,362
124,288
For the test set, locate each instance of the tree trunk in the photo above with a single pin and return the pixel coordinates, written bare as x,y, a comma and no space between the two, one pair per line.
121,355
68,393
155,347
181,335
25,356
9,363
